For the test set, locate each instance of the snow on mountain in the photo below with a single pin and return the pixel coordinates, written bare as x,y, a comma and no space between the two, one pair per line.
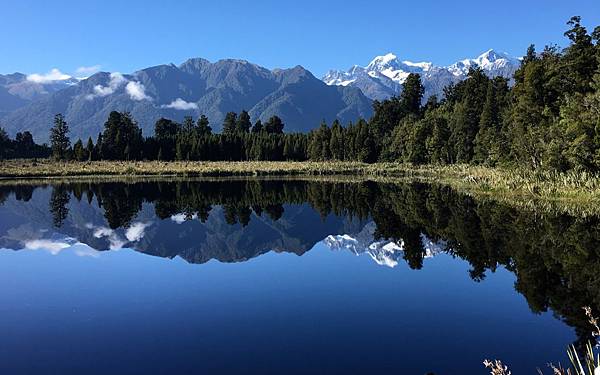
384,75
492,62
384,252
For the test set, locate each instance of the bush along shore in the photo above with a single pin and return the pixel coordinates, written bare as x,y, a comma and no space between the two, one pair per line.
573,192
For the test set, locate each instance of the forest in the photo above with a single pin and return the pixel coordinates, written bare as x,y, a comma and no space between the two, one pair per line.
547,116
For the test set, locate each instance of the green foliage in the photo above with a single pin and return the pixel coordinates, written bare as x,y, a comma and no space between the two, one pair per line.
230,122
438,149
89,149
122,138
318,147
412,94
258,127
59,138
547,117
4,144
274,125
243,123
79,152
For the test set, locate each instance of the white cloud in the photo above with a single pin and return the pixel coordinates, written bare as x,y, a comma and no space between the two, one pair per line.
116,80
51,76
113,238
88,70
53,247
136,231
136,91
181,218
181,105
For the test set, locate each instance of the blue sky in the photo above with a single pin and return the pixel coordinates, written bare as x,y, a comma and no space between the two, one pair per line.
128,35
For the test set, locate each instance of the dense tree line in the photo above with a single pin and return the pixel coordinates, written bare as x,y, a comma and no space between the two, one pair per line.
122,139
23,146
546,116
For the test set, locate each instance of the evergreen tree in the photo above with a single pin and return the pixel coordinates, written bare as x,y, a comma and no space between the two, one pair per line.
165,134
24,146
258,127
89,149
229,124
79,151
438,150
337,143
488,128
417,151
4,144
59,138
466,114
274,125
579,61
122,138
412,94
243,124
203,126
318,148
98,147
365,143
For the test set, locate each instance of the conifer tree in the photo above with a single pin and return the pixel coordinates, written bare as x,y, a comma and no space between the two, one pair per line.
229,124
59,138
4,144
274,125
412,94
79,151
243,124
258,127
89,149
336,143
203,126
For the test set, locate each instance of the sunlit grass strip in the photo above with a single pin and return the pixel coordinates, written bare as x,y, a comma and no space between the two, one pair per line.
571,192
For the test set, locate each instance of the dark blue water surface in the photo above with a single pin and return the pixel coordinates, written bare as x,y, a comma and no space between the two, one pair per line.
182,277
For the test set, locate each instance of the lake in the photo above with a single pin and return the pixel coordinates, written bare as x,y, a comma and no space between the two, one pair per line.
285,276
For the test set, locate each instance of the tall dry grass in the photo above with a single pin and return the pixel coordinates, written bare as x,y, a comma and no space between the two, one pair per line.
571,192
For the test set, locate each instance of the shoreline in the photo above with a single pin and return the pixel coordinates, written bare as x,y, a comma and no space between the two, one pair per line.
567,192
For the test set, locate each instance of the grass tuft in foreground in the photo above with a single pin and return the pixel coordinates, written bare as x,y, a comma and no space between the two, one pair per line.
587,364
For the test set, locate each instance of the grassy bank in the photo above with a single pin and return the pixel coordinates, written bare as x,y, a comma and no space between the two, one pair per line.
574,192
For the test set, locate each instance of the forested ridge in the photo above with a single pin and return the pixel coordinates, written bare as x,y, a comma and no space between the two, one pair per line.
545,117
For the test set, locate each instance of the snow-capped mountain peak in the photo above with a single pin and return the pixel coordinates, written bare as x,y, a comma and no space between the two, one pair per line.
384,62
384,75
384,252
492,62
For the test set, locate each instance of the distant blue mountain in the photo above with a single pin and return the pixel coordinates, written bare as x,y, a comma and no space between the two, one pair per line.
195,87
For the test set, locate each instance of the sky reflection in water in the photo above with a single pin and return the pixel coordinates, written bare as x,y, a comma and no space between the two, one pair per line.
342,291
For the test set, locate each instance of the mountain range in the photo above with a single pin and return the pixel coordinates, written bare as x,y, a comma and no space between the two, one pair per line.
384,75
297,231
198,86
195,87
384,252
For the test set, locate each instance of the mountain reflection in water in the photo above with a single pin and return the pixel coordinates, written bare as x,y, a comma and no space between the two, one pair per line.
555,258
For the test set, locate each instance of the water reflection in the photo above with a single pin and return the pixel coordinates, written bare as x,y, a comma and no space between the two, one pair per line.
555,258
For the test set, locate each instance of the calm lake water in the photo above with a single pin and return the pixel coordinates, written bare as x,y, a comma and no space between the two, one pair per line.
256,276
